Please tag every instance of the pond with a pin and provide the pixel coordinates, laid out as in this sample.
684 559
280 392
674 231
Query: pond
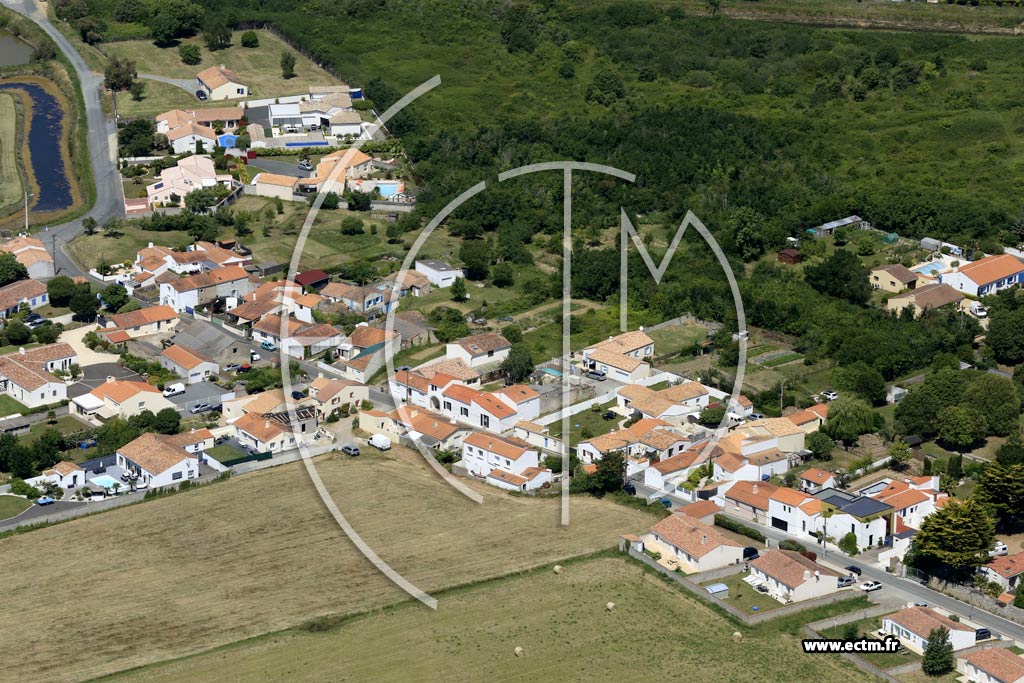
13 50
44 142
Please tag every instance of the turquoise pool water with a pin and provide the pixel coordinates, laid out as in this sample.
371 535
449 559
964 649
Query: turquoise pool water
931 268
105 480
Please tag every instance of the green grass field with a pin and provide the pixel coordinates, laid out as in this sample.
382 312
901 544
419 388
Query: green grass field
10 175
9 406
12 505
65 424
560 621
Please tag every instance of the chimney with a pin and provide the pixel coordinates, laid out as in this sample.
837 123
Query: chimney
110 378
21 350
150 245
753 489
704 540
641 328
807 575
266 424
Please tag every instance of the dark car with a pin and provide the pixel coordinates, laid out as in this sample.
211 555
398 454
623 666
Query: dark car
30 317
750 553
298 395
630 489
666 502
854 569
349 449
609 415
982 634
201 95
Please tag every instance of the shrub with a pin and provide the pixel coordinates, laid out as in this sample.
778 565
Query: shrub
848 544
20 488
734 526
791 545
250 39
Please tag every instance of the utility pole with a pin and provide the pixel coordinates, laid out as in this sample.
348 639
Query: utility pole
782 393
27 196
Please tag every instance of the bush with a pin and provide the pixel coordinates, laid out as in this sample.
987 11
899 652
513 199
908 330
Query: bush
791 545
848 544
20 488
736 527
250 39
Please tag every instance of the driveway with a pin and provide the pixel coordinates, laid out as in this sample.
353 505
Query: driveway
95 375
280 167
189 85
86 356
202 392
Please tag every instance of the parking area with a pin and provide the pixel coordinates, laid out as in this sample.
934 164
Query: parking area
95 375
203 392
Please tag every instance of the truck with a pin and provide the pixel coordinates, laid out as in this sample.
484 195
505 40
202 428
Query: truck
380 442
977 310
174 389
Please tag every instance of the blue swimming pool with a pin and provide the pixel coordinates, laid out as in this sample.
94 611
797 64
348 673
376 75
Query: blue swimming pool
552 372
931 268
387 189
106 481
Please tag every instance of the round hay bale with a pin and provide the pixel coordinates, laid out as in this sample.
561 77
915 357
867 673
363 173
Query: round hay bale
559 569
519 652
737 636
610 607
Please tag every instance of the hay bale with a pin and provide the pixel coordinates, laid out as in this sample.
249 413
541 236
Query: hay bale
737 636
559 569
610 607
519 652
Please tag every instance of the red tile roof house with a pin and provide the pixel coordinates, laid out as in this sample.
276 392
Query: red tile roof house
814 479
913 625
1006 570
992 665
507 463
691 544
791 577
143 322
27 375
188 363
187 294
32 293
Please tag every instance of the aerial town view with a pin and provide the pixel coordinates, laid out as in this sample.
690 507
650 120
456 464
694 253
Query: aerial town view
512 340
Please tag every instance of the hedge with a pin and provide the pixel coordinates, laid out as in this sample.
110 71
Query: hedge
733 525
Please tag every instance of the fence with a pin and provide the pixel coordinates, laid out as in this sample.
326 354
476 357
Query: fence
814 631
252 457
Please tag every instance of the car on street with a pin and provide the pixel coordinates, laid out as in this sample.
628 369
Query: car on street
232 367
305 165
45 500
829 395
982 634
999 549
757 416
201 95
854 569
350 449
505 319
920 604
268 345
244 367
201 407
174 389
869 586
845 581
253 356
597 374
609 415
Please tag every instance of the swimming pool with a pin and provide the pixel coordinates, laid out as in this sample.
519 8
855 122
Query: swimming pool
552 372
387 189
105 481
931 268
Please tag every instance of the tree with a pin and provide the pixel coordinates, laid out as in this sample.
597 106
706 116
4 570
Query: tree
59 290
848 418
351 225
90 29
137 90
250 39
611 469
176 18
899 454
287 65
513 333
167 421
748 229
16 332
190 54
1011 452
47 333
136 138
960 426
200 201
459 289
1002 489
331 201
841 275
606 87
1018 596
958 535
10 269
712 416
119 74
862 379
518 365
114 297
216 34
83 303
938 655
504 275
476 259
820 444
130 11
394 233
997 399
1005 335
89 225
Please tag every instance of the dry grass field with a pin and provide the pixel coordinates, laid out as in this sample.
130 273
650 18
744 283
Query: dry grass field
656 632
10 177
191 572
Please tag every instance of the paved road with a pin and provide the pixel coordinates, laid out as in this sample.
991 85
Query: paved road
102 146
280 167
897 590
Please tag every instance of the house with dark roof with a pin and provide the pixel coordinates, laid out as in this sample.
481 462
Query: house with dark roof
870 520
894 277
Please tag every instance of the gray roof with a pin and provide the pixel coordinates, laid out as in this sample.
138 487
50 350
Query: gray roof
204 337
858 506
832 225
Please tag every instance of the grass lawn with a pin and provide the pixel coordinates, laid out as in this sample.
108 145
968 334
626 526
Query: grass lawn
867 628
157 98
259 67
676 337
223 452
253 539
920 677
8 406
91 250
13 505
10 175
65 424
587 422
471 637
743 597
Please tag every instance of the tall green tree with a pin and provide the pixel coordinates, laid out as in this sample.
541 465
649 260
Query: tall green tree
216 34
458 290
958 535
83 303
1002 489
1005 335
114 297
476 259
10 269
119 74
820 444
60 289
961 426
287 65
848 418
518 365
863 380
841 275
938 655
997 399
899 454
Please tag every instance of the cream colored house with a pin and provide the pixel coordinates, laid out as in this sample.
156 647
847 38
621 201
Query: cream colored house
120 398
791 577
692 544
221 83
274 185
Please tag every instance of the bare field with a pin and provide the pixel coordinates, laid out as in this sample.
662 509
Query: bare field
191 572
10 176
655 632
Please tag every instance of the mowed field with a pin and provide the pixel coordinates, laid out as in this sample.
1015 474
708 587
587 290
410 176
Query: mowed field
187 573
655 632
10 178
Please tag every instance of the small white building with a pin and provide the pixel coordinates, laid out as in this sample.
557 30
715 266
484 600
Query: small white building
504 462
263 434
439 273
992 665
192 365
27 375
120 398
1006 570
791 577
274 185
913 626
815 479
158 461
488 348
65 474
694 545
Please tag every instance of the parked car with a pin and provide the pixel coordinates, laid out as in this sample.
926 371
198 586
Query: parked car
244 367
978 310
174 389
232 367
30 317
39 322
757 416
480 321
298 395
609 415
201 95
45 500
201 407
629 488
597 374
86 444
305 165
505 319
253 356
999 549
829 395
666 502
920 604
982 634
869 586
845 581
750 553
268 345
380 442
349 449
854 570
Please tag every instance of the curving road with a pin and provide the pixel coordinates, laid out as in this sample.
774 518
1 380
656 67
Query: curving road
102 145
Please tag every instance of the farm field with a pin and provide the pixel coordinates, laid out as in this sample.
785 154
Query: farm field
10 176
472 636
257 554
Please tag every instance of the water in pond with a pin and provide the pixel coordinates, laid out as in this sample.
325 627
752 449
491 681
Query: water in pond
13 50
44 140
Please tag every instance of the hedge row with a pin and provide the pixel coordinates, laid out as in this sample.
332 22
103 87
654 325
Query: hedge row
733 525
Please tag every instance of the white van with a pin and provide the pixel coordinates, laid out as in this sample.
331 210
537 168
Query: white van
978 310
380 442
174 389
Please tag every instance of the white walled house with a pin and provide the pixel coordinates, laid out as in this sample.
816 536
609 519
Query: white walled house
221 83
815 479
120 398
488 348
913 625
192 365
158 461
439 273
521 398
985 276
1006 571
504 462
992 665
263 434
65 474
27 375
694 545
791 577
